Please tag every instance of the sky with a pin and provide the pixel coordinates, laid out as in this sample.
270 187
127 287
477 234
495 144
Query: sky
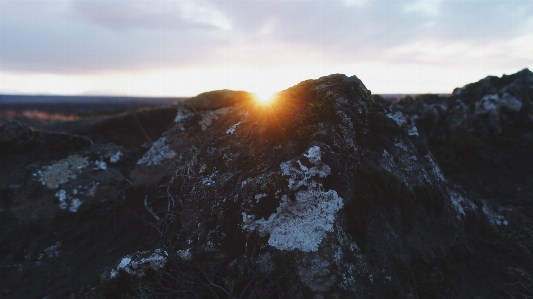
180 48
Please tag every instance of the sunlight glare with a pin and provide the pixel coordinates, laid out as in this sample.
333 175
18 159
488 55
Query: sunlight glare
264 98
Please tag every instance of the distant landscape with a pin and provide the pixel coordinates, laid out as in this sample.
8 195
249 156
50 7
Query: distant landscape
79 105
12 106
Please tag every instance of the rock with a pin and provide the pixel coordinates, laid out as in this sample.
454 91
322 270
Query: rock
485 108
326 192
62 210
481 137
217 99
490 105
128 130
306 187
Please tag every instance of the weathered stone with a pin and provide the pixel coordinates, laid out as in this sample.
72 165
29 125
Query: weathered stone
274 180
323 193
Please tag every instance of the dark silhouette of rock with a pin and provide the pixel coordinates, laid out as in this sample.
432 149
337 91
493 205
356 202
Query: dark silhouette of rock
489 106
129 130
482 138
213 100
66 211
326 192
320 187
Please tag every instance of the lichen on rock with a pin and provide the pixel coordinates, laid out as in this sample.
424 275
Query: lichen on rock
301 223
324 193
61 172
66 201
209 116
158 153
137 263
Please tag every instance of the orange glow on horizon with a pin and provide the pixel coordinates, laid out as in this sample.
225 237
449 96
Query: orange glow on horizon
265 98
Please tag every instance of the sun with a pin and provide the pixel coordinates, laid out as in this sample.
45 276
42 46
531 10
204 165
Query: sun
264 98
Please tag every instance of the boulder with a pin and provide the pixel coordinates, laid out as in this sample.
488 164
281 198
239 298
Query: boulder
319 193
492 104
490 107
65 208
324 192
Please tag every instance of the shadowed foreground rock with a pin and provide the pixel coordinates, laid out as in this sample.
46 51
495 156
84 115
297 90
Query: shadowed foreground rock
321 193
482 137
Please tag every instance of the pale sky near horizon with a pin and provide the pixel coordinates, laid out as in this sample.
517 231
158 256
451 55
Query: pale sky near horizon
185 47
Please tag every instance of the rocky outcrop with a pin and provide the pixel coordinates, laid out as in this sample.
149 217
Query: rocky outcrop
320 187
481 137
489 107
65 211
321 193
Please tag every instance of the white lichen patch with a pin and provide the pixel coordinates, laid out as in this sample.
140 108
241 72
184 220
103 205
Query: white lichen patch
185 255
457 202
209 117
401 145
100 165
494 218
487 104
61 172
304 222
116 157
492 103
182 115
62 196
314 156
231 129
436 169
53 251
398 117
49 252
402 122
67 201
158 153
412 131
137 263
75 204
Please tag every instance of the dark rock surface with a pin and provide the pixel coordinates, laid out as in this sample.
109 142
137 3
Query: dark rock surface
66 211
482 137
322 193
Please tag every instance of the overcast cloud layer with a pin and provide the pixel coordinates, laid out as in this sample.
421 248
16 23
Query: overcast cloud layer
89 38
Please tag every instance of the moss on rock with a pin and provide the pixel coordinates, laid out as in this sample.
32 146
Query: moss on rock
319 112
377 188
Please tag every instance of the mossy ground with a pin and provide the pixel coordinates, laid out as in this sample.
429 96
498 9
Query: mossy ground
429 197
457 151
377 188
318 113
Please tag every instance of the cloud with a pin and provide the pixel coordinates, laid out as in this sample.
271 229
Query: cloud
41 37
81 37
429 7
131 15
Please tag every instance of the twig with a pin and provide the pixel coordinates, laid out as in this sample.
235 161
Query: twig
150 210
